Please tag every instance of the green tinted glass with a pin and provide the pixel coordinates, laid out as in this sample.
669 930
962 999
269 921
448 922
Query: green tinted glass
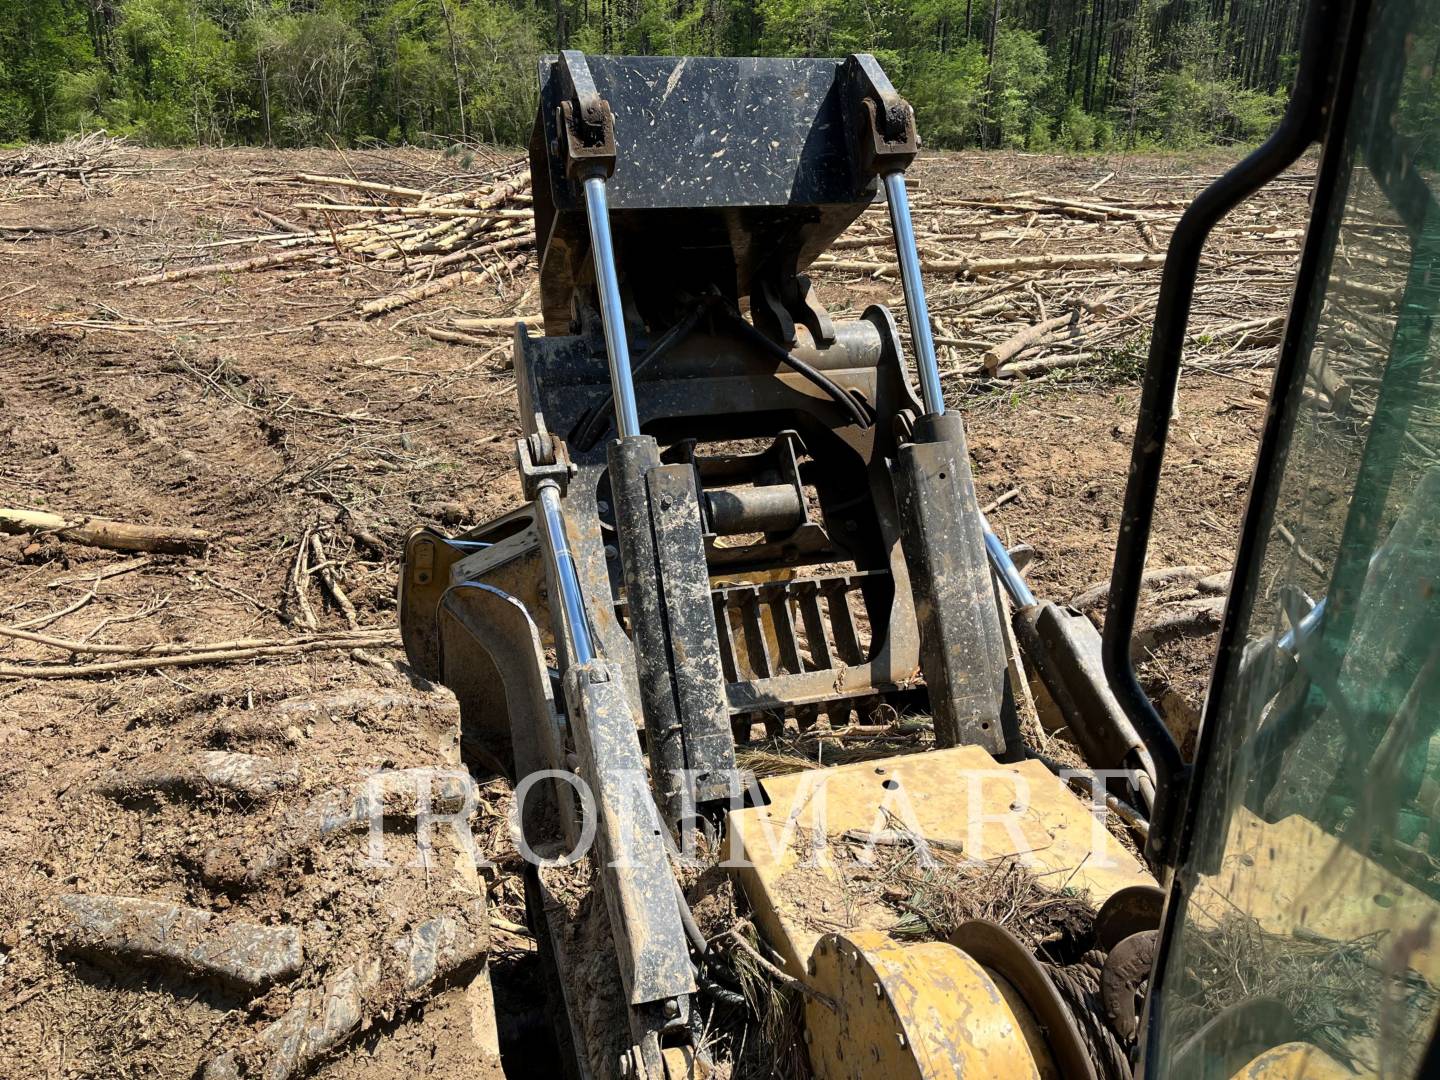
1312 924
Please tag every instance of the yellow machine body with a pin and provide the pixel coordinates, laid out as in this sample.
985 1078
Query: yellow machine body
923 1010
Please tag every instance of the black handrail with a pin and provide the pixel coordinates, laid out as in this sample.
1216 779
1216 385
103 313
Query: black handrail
1302 124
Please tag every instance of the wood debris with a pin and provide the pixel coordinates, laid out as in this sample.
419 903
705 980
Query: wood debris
427 242
1034 285
81 160
1027 285
115 535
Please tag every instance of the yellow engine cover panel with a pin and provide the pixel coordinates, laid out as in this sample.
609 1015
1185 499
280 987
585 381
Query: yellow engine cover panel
960 800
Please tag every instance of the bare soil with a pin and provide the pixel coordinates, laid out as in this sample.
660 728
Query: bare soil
223 403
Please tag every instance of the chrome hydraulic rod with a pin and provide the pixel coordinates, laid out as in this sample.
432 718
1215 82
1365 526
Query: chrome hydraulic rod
1005 568
612 314
567 578
926 366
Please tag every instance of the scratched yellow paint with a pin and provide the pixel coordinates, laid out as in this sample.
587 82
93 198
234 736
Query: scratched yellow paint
790 877
923 1011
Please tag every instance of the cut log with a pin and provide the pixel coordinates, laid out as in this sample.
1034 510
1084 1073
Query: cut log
1058 261
1104 209
451 337
200 772
1031 335
239 862
126 930
202 655
1244 326
418 211
505 322
441 950
244 266
1215 584
1193 618
1121 260
1099 593
433 288
1043 365
112 535
363 185
280 222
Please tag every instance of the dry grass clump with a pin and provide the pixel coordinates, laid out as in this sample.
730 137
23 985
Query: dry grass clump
751 1015
1339 993
820 748
932 897
771 1042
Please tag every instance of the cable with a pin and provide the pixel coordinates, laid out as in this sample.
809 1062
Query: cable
600 418
687 919
800 367
1079 987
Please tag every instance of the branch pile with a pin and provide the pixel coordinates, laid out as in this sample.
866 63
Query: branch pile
82 159
430 243
1031 283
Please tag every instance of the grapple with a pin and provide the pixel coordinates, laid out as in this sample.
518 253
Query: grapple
740 513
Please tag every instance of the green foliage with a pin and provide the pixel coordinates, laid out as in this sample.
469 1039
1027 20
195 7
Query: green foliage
948 93
321 66
1070 74
1019 76
40 42
1188 110
500 49
1077 129
803 27
1038 138
176 76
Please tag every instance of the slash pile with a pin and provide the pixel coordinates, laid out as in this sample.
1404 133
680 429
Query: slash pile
1056 280
82 159
432 243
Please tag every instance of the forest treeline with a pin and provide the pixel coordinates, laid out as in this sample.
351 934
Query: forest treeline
1036 74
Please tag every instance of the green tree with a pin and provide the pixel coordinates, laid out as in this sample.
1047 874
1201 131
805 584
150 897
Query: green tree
321 66
947 91
177 75
41 43
1019 79
999 72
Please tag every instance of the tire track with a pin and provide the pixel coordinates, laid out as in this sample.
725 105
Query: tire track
114 431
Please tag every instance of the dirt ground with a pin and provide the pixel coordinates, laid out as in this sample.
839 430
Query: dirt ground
223 403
